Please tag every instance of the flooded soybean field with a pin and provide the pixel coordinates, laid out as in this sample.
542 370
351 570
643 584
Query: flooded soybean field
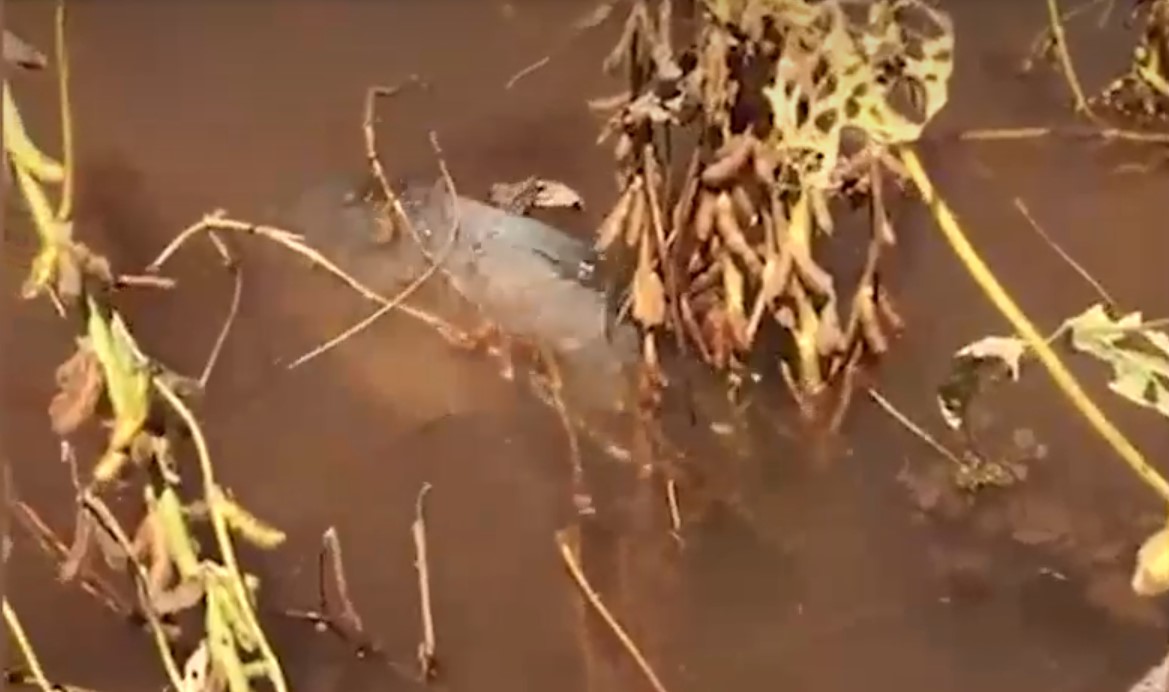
847 563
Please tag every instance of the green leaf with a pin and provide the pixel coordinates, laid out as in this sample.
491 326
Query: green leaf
126 379
1138 354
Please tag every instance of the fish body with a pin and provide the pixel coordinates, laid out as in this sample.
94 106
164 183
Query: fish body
529 279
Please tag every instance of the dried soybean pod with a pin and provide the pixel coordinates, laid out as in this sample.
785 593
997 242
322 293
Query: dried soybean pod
732 235
811 274
744 207
638 221
623 150
614 222
704 217
871 330
730 159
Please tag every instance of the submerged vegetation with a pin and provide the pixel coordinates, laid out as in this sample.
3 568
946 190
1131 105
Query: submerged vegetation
739 145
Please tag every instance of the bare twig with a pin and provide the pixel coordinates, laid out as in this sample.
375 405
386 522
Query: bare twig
16 631
218 220
422 278
527 71
142 280
427 664
369 118
102 514
28 678
912 427
568 553
592 19
45 537
675 510
1105 133
220 339
346 625
1065 60
332 556
1076 266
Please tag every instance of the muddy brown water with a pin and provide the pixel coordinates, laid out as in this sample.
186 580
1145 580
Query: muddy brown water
845 574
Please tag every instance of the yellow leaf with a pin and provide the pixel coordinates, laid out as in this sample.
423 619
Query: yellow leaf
1151 577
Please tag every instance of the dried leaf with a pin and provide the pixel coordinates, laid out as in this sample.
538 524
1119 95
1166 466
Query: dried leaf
553 194
534 193
968 369
79 387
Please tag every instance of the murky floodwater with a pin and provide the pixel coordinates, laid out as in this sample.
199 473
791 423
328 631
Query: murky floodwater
794 572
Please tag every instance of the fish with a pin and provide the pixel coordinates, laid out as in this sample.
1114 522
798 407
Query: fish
529 279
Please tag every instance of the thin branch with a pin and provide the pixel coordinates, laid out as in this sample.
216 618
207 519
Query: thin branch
1115 134
568 554
221 339
16 631
1065 59
414 285
427 664
218 221
912 427
1076 266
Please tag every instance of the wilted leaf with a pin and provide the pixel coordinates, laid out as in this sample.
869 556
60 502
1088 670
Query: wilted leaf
79 383
1139 356
970 367
1151 577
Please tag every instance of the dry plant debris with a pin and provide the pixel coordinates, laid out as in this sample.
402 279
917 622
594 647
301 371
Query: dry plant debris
795 106
531 193
1142 92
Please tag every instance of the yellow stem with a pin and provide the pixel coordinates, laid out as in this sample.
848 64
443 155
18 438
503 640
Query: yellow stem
986 280
65 210
16 631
